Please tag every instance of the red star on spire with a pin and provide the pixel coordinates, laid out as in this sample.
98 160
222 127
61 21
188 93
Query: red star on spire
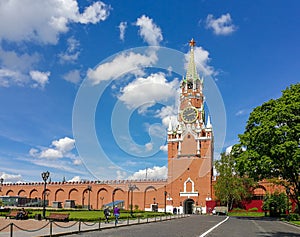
192 43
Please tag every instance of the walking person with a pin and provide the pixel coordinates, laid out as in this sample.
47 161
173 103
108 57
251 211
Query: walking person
116 214
106 214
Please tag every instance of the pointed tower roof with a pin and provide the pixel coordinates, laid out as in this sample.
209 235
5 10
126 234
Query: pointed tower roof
208 124
191 73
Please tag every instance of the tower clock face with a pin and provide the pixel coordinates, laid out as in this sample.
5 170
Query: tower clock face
189 114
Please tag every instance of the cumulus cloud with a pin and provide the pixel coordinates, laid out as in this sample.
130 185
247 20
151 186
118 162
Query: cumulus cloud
152 173
201 60
72 52
122 28
164 148
43 21
228 150
222 25
75 179
10 178
149 31
15 68
149 90
40 78
124 63
58 149
73 76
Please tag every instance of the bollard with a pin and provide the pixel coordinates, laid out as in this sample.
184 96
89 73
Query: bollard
11 229
100 223
147 218
79 226
51 228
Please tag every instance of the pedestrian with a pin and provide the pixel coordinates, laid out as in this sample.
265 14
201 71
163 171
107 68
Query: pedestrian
116 214
106 214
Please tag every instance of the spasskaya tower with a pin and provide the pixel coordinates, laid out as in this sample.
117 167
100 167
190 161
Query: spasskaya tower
190 145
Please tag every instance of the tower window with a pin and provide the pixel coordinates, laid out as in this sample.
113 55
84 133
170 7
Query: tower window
189 136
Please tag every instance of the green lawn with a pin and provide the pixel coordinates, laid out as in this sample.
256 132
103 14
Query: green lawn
247 213
86 215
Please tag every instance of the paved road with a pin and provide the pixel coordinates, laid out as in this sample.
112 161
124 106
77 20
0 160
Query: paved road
199 226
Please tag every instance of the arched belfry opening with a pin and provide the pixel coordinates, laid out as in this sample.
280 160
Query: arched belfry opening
188 206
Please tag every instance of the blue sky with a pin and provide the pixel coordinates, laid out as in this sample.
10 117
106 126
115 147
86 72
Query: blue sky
80 99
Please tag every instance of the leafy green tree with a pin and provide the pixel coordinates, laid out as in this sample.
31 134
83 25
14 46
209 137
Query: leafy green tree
276 203
229 187
270 145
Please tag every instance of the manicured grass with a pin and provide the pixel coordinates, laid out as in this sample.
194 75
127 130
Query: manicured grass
92 215
247 213
296 222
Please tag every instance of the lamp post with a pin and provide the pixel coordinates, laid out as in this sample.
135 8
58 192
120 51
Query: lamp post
89 189
287 204
45 176
165 201
131 188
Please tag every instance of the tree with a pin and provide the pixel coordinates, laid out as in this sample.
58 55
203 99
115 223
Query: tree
270 145
229 187
275 203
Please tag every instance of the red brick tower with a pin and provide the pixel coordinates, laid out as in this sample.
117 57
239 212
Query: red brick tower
190 146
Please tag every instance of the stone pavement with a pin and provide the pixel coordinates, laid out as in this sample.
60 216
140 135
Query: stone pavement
30 228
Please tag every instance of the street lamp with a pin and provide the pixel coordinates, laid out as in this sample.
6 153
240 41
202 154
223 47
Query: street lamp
89 189
130 189
45 176
165 201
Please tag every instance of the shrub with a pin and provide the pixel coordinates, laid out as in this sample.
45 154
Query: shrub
293 217
238 210
254 209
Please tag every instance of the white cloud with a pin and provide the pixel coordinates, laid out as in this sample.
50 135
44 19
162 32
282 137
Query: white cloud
124 63
149 90
43 21
149 31
152 173
122 28
11 178
72 52
64 144
99 11
15 68
73 76
40 78
164 148
59 149
201 60
121 174
243 112
228 150
75 179
51 153
77 162
149 146
220 26
9 77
